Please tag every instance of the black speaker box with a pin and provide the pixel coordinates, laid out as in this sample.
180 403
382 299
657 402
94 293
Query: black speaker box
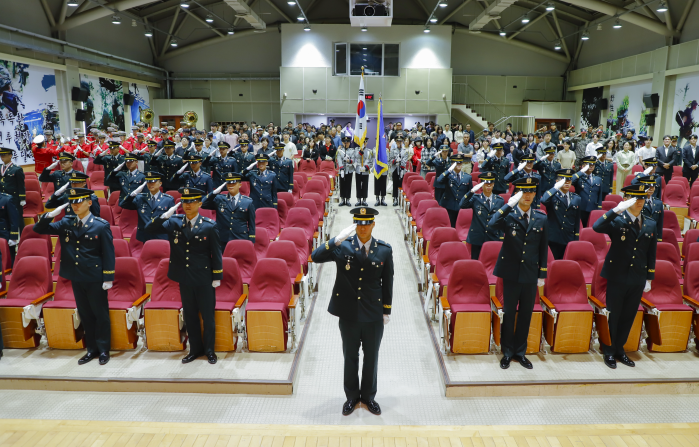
366 10
602 103
650 119
80 115
128 99
79 94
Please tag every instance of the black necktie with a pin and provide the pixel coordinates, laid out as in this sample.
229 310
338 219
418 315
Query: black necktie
364 255
526 220
640 225
188 229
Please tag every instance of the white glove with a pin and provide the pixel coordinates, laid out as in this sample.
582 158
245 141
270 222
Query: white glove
540 282
451 168
53 165
168 214
491 153
12 243
559 184
521 166
181 170
344 234
585 169
61 190
291 191
58 210
215 283
138 190
544 157
514 200
600 155
118 168
646 289
477 187
647 171
219 189
252 165
107 285
623 206
23 202
386 319
159 152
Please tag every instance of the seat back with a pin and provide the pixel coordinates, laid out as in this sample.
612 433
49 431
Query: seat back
468 283
261 242
312 208
6 257
29 233
694 207
417 198
97 178
599 285
636 168
616 198
670 237
114 198
152 253
135 245
434 218
665 287
244 253
232 282
419 214
324 177
316 186
121 248
407 181
463 223
674 194
33 247
282 210
298 237
671 223
286 250
595 215
449 253
489 255
690 238
116 232
309 167
300 179
129 282
429 178
267 218
164 289
417 186
319 201
597 240
691 280
584 254
32 184
31 278
667 252
286 197
328 166
270 282
440 236
608 205
34 204
565 283
128 221
106 214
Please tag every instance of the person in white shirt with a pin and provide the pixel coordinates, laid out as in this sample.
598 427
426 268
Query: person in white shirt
591 149
218 136
448 133
645 151
289 147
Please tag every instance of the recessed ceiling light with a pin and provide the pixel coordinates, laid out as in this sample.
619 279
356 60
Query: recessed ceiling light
307 28
617 24
662 7
149 33
426 30
443 4
433 19
231 31
300 18
502 32
291 2
525 19
585 36
116 20
173 43
550 6
557 45
209 19
184 3
72 3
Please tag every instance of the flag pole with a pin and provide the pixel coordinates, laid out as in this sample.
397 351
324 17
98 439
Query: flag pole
363 139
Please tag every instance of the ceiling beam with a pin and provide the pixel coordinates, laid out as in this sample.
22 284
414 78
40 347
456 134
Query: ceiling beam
310 6
490 12
518 43
530 23
204 43
63 12
625 15
83 6
569 11
457 9
237 19
241 8
685 14
558 34
202 21
99 12
279 11
424 8
172 28
49 14
495 21
645 8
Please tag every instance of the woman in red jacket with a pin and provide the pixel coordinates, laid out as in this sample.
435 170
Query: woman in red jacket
417 154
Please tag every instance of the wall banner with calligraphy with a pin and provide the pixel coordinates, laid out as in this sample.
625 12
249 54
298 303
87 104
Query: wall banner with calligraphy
28 106
105 104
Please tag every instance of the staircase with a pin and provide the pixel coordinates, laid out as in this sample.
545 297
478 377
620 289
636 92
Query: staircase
465 114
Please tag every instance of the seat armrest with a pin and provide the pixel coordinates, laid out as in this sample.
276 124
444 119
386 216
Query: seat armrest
647 304
41 299
691 302
409 214
548 303
298 279
445 303
241 300
309 258
496 302
315 235
425 259
3 293
413 223
434 278
419 234
292 302
595 302
141 300
8 271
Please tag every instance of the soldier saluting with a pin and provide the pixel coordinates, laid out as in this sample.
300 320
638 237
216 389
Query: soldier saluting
484 205
362 297
235 213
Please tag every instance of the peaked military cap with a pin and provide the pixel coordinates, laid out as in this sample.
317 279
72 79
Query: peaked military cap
6 151
650 161
114 144
526 183
363 215
232 177
565 173
638 190
193 158
191 194
487 177
498 146
130 157
529 158
169 144
589 159
152 143
198 142
458 158
224 145
550 150
66 156
153 176
649 179
77 195
78 177
262 157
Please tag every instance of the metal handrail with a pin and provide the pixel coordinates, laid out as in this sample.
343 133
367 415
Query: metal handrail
529 127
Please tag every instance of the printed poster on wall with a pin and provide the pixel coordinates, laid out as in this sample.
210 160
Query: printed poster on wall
28 106
626 109
105 102
589 115
140 104
685 122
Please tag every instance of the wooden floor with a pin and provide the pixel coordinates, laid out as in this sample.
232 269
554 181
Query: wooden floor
56 433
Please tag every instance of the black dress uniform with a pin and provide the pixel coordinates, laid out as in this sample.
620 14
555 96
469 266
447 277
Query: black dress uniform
440 164
283 168
650 162
12 183
147 157
263 190
500 167
235 216
149 207
110 162
127 180
362 171
244 158
9 219
87 260
653 207
361 296
190 179
456 185
168 167
76 178
630 262
521 263
589 188
195 262
58 177
547 170
516 174
563 214
219 166
484 208
605 171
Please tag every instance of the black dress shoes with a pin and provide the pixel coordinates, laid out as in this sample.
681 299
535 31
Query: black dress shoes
349 406
372 406
364 202
383 201
505 362
378 202
0 353
104 358
625 360
523 361
609 361
87 357
211 356
359 203
395 202
191 357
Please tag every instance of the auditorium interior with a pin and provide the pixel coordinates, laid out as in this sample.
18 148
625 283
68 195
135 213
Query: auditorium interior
582 73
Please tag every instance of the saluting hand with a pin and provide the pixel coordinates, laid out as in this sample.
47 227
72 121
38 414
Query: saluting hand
521 166
220 188
61 190
252 165
58 210
118 168
344 234
514 200
159 152
585 169
138 190
559 184
491 153
623 206
53 165
181 170
168 214
451 168
478 187
647 170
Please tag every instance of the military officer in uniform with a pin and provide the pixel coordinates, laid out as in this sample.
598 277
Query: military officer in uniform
548 168
196 264
222 164
61 176
562 213
500 166
525 170
345 169
484 205
439 162
456 184
653 207
521 265
263 190
195 177
110 161
244 157
650 164
362 297
9 222
604 169
168 164
283 168
362 170
129 178
60 196
148 156
398 159
12 183
87 260
149 205
588 187
235 213
628 268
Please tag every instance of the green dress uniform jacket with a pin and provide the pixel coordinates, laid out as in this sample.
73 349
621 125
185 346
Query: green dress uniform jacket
233 222
517 174
605 171
283 168
127 181
589 190
564 218
220 165
363 290
168 166
658 184
201 180
480 231
9 218
58 178
147 211
547 171
500 166
110 162
12 183
455 187
263 189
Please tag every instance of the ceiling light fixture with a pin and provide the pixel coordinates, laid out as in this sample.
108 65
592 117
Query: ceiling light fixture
149 33
307 28
433 19
550 6
116 20
72 3
426 30
525 19
173 43
209 19
617 24
291 3
300 18
585 36
662 7
557 45
364 29
231 31
184 4
502 32
443 4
